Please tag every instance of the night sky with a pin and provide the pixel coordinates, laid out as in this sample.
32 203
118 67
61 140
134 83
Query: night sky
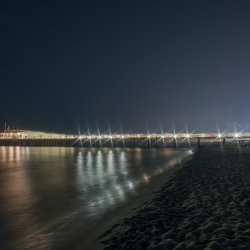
130 64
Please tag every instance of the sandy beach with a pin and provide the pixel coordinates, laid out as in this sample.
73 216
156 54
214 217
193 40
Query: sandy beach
205 205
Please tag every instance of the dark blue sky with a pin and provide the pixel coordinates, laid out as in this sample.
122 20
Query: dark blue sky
134 64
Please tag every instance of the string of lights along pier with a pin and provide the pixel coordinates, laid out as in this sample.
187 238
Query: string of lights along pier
16 137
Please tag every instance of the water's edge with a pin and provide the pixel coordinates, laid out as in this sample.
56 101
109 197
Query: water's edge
146 195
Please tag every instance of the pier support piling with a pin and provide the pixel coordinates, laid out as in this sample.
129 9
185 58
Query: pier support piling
224 141
198 142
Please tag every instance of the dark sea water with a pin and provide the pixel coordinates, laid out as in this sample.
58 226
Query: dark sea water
59 198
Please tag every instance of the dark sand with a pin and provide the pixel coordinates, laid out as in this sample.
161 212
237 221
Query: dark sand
205 205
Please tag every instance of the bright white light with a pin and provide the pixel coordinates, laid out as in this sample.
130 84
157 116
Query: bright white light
175 136
236 135
149 136
188 135
219 135
130 185
100 137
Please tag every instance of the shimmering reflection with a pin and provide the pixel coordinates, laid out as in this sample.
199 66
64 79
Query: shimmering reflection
16 203
49 194
123 163
110 162
14 155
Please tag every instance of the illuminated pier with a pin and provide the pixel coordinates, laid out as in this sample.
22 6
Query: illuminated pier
31 138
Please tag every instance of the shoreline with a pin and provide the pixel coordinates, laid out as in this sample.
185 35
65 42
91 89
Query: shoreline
145 195
204 205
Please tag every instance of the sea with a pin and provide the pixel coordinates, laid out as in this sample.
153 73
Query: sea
65 198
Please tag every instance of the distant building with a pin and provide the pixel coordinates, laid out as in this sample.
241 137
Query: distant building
13 133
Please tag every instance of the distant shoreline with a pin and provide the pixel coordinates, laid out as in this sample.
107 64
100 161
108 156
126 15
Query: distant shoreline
206 204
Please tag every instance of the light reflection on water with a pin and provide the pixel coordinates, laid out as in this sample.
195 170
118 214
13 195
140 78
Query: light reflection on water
44 191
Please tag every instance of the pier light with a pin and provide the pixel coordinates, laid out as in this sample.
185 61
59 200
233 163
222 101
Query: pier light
236 135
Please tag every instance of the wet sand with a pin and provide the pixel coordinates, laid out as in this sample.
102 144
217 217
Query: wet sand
205 205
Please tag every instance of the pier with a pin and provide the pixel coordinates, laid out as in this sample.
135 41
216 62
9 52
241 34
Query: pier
42 139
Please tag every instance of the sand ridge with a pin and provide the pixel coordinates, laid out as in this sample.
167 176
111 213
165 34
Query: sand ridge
205 205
